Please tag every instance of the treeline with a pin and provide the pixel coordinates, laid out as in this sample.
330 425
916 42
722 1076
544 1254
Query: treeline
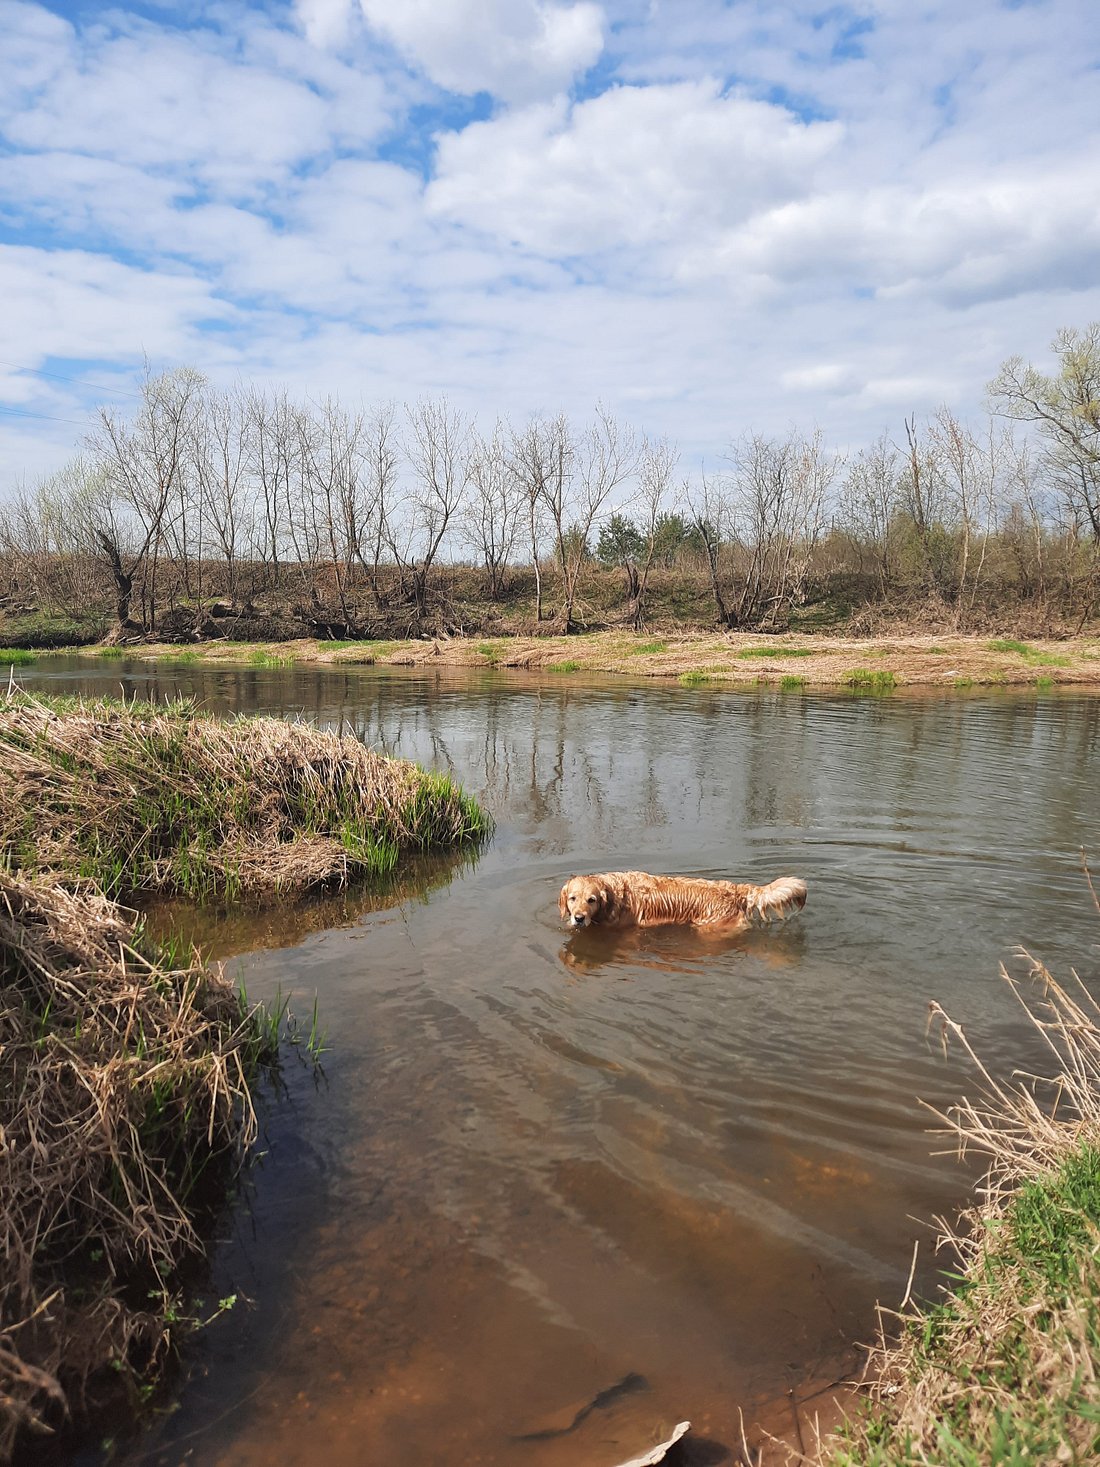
206 501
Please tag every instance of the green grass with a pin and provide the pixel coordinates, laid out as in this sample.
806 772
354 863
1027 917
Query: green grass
260 658
640 649
964 682
564 667
16 656
185 658
695 678
111 653
44 630
1034 655
776 652
1014 1350
791 684
864 679
1044 684
490 651
333 646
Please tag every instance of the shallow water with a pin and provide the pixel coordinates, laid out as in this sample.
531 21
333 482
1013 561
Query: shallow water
541 1165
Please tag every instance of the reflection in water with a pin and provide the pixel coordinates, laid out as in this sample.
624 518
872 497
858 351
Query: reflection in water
546 1163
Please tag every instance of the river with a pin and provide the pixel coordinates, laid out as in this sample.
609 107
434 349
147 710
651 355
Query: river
539 1166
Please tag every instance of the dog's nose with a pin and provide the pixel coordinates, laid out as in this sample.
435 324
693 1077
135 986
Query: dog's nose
579 919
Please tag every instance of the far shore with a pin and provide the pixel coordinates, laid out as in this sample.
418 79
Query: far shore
790 662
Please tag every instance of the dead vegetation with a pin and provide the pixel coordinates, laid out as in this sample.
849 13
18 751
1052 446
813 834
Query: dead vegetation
125 1099
122 1084
165 799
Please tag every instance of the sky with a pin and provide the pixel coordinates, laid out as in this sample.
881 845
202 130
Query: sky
711 216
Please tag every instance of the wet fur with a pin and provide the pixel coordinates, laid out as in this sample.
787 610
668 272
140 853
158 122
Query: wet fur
636 899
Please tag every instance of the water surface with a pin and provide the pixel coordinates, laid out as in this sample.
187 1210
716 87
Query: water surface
539 1164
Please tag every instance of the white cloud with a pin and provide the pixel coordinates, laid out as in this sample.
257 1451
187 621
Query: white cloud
516 49
864 224
637 166
183 101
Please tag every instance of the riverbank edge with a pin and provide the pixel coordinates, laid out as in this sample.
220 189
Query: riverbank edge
170 800
789 663
162 1058
1004 1366
128 1078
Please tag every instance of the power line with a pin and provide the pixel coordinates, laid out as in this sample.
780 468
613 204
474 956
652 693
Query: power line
76 381
24 413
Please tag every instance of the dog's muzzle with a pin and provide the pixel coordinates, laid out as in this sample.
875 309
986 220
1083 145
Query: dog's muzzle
579 920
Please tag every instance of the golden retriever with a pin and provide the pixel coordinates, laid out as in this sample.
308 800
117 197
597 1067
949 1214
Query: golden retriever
636 899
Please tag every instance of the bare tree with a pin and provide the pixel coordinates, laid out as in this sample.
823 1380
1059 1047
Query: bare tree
144 478
540 458
708 506
220 453
371 495
493 509
778 493
657 464
869 503
588 471
437 447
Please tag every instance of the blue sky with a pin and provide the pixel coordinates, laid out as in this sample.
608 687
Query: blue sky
711 217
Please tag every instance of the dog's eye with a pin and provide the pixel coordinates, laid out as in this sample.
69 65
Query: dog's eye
591 901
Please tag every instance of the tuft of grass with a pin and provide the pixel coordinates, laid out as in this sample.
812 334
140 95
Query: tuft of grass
695 678
111 653
186 658
964 682
261 658
1044 684
1033 655
16 656
333 646
776 652
640 649
864 679
564 667
144 798
791 684
490 651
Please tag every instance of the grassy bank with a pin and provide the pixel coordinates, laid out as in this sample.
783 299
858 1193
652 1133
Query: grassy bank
1005 1370
126 1081
788 663
124 1094
144 798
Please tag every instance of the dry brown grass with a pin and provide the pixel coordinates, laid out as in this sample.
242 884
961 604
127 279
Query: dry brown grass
145 798
120 1082
733 659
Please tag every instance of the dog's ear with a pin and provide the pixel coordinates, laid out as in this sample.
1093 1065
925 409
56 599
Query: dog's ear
562 908
607 901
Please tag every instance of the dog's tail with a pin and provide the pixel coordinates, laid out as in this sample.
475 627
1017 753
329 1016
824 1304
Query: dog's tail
779 899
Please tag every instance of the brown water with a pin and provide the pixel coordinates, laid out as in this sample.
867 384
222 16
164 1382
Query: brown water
540 1165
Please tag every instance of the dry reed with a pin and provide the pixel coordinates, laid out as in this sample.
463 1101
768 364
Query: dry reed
120 1083
165 799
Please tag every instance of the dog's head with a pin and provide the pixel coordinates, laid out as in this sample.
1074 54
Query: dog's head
584 901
